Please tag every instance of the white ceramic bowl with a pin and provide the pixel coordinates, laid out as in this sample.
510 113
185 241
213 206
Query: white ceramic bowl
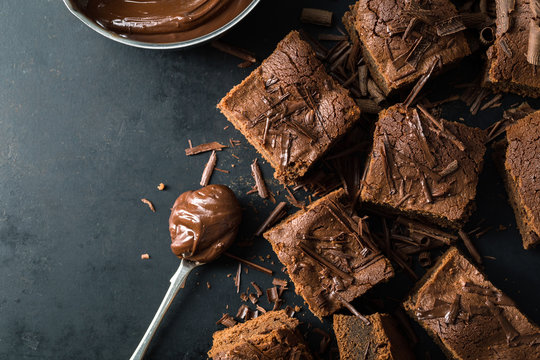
74 9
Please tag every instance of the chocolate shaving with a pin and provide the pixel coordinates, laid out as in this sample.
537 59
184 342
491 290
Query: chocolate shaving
509 330
387 169
443 131
425 188
149 203
469 245
375 92
237 278
324 262
506 48
316 17
451 316
289 311
332 37
427 230
449 169
419 132
503 18
242 312
234 51
257 288
272 294
259 180
261 309
491 102
250 264
275 215
533 47
350 308
279 282
449 26
424 258
266 128
226 320
208 169
368 106
363 79
422 45
285 150
204 147
420 83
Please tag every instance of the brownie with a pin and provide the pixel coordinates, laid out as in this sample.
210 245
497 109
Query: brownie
290 109
425 167
469 317
379 340
522 176
508 69
328 260
400 42
273 335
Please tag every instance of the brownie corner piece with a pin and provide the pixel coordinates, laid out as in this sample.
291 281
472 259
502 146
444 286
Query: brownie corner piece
378 340
273 335
398 45
522 176
424 167
468 316
290 109
328 261
508 69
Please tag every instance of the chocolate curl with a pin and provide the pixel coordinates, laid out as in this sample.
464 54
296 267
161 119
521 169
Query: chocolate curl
504 7
533 49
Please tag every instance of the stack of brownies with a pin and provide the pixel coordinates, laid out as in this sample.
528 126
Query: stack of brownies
420 167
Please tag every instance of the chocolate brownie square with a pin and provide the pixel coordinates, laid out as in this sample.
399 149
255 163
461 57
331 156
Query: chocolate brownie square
522 176
381 339
401 41
468 316
328 260
508 68
290 109
273 335
422 166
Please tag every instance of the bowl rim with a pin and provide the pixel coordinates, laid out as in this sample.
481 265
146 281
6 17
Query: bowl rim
70 4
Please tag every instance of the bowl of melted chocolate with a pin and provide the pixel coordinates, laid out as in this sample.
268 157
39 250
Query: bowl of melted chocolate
161 24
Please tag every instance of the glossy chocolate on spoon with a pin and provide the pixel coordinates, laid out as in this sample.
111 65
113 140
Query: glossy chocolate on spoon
204 223
163 21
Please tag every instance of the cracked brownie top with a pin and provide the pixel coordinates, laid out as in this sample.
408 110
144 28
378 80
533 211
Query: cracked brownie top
290 109
329 261
401 40
423 165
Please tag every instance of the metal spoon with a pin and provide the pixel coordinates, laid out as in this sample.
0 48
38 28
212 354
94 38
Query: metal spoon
177 282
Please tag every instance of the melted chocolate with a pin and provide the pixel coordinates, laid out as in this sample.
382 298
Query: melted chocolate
162 21
204 223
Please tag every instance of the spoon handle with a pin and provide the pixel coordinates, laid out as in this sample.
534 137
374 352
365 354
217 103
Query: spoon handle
177 282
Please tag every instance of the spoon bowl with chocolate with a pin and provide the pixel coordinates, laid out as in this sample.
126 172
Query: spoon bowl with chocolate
203 224
161 24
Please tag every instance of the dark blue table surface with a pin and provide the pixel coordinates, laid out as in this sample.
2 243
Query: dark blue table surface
88 127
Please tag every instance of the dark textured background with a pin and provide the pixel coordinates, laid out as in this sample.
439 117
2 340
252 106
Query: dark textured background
87 128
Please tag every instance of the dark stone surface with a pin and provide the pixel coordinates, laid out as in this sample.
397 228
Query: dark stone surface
87 128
